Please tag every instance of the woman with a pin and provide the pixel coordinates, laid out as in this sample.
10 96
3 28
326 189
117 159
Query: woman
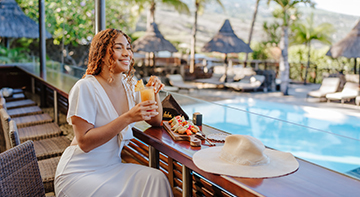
102 111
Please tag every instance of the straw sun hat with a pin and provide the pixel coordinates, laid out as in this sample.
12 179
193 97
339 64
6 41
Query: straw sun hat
245 156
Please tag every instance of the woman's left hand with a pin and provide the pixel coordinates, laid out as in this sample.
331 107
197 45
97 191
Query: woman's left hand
155 81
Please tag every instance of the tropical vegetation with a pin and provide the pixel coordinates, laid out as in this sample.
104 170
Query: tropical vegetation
252 26
199 8
71 23
178 5
305 33
17 54
287 15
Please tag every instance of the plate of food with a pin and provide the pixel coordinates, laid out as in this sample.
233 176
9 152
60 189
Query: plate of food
181 129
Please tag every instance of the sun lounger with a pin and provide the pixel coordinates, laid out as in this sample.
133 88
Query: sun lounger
328 85
357 100
350 91
247 83
215 79
177 81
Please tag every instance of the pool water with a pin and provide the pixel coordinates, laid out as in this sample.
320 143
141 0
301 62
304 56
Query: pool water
324 137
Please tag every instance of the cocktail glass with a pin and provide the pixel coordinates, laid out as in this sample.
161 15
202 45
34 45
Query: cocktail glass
147 93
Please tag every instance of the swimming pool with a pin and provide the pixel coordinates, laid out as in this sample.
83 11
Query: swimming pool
327 138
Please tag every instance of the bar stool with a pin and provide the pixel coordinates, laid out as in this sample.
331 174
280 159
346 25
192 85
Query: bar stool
44 148
18 103
47 166
20 111
17 94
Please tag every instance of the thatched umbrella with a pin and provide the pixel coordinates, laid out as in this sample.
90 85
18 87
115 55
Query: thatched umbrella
15 24
226 41
153 41
348 47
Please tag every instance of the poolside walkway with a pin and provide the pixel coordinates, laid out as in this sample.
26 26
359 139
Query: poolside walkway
297 96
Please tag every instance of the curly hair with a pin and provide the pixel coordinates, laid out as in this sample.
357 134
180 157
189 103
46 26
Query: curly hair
101 44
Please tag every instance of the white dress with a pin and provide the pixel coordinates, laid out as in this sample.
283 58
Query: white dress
100 171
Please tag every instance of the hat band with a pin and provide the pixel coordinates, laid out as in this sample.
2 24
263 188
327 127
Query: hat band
264 159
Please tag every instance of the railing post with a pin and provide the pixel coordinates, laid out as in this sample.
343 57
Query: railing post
42 95
33 85
153 157
56 109
42 39
186 182
171 171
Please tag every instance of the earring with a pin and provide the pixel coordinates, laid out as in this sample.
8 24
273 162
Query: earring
110 80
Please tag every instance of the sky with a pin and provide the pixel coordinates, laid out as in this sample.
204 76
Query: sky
350 7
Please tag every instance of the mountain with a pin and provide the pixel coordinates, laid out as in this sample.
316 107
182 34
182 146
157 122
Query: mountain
177 27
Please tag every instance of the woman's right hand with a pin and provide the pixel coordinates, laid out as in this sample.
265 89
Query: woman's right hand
143 111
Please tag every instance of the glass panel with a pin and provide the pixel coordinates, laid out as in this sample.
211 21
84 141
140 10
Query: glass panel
54 77
329 139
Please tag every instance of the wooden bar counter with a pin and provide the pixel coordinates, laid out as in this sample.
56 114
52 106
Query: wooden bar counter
308 180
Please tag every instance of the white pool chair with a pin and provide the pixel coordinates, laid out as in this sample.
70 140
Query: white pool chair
177 80
357 100
350 91
247 83
328 85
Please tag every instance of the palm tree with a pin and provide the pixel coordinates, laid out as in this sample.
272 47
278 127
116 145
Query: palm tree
272 32
304 33
286 6
199 5
179 6
252 27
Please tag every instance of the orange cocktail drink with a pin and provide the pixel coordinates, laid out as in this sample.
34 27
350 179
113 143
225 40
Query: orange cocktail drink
147 93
